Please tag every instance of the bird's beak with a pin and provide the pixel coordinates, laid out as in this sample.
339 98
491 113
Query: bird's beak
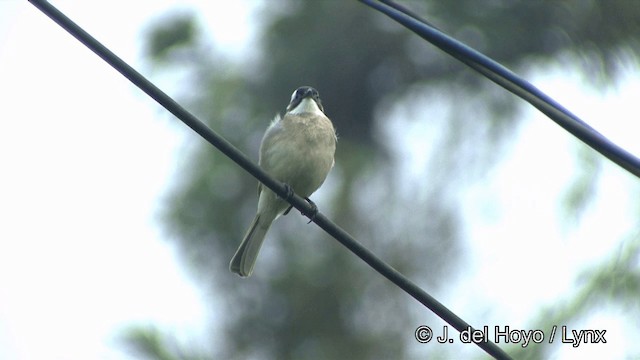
308 93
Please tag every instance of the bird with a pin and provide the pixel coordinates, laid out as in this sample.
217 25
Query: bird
297 149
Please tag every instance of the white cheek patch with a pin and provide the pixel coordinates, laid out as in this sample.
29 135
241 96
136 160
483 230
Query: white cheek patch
307 105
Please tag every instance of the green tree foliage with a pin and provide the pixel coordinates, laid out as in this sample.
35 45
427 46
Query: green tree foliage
309 298
613 284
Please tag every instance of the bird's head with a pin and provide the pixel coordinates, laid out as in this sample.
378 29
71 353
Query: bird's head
305 99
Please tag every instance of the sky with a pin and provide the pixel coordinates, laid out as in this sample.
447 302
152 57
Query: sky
520 255
87 158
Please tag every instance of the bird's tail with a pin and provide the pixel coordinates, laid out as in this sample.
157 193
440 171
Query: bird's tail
245 257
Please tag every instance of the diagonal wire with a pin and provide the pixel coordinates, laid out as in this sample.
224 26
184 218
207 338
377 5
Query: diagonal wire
279 188
510 81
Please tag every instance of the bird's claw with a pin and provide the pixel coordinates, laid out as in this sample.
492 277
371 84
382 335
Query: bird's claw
288 192
287 197
314 211
310 214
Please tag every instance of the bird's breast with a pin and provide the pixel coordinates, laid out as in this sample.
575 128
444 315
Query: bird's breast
299 151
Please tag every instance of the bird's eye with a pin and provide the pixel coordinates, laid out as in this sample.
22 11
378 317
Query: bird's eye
295 95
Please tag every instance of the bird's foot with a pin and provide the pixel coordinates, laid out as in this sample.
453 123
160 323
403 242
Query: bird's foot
288 192
314 210
288 196
287 211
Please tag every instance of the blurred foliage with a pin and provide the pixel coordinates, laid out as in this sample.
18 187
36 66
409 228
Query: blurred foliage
308 297
580 192
177 32
513 31
615 283
150 343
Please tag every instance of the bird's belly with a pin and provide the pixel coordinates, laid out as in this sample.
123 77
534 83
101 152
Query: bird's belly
304 168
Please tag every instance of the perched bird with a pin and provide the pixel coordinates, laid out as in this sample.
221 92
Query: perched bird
298 150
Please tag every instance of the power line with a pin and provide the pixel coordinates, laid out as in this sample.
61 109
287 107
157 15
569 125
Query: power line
510 81
243 161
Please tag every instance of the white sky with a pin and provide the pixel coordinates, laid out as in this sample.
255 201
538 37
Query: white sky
536 260
86 157
521 257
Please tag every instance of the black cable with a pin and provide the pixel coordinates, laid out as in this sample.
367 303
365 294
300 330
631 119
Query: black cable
234 154
510 81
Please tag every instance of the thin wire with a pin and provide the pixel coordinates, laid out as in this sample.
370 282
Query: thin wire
510 81
243 161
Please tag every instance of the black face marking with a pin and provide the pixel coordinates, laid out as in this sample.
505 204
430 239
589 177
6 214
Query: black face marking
304 92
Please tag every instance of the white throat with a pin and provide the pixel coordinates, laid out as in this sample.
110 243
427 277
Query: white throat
307 105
